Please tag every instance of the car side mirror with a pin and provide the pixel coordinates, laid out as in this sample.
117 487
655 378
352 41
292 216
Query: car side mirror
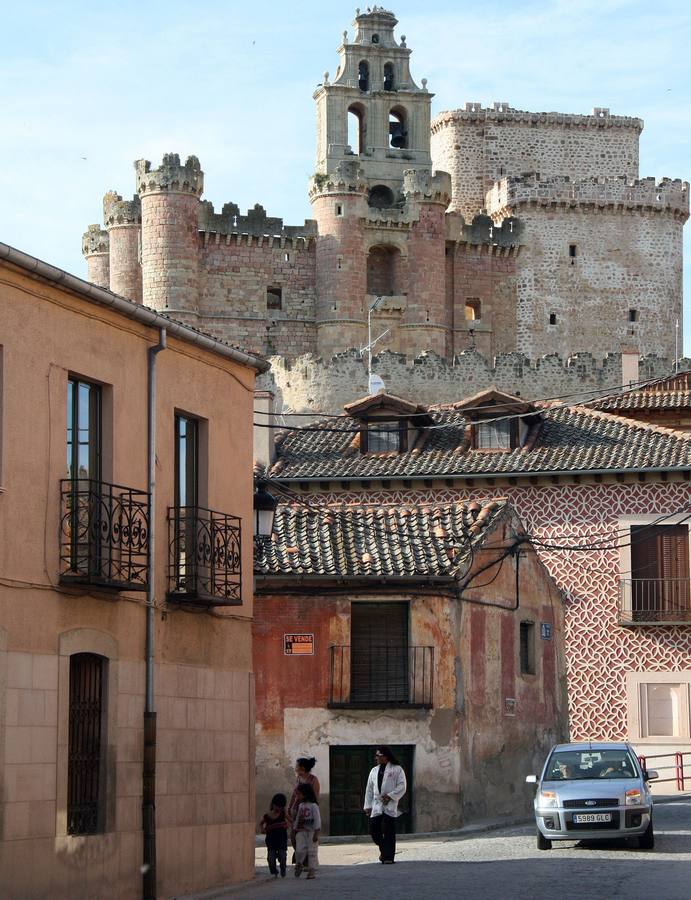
651 775
532 779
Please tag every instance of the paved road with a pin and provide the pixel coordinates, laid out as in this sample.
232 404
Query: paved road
501 865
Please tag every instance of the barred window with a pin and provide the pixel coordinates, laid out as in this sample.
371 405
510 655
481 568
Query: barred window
86 744
494 435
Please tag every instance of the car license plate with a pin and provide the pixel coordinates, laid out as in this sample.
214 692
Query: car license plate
585 818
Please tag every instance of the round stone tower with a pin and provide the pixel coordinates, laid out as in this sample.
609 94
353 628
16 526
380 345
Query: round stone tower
95 250
123 219
170 234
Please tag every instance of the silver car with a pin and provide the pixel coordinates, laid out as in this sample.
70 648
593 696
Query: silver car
593 791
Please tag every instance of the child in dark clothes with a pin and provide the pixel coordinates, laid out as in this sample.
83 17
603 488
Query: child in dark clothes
275 826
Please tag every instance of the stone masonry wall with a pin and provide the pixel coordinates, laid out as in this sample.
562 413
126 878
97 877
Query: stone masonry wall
478 146
235 272
624 261
308 384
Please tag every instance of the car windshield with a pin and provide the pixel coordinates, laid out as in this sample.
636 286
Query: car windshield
567 765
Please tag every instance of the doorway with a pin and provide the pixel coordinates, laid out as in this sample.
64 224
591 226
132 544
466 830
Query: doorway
349 767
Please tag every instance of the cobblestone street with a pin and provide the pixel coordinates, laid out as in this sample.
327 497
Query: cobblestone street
503 865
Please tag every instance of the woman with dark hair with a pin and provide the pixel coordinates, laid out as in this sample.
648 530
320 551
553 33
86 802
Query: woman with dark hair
385 787
303 772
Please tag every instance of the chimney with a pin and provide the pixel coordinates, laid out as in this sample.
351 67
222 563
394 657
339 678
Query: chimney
629 365
264 428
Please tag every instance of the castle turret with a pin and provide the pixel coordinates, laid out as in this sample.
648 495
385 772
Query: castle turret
170 234
123 219
95 250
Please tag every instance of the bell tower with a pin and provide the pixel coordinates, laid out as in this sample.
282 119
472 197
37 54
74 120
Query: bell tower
373 112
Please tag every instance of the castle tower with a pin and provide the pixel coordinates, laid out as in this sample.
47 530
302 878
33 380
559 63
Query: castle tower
123 219
95 250
373 133
170 234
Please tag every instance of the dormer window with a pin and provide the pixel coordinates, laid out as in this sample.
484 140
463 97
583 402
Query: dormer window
498 421
385 437
494 435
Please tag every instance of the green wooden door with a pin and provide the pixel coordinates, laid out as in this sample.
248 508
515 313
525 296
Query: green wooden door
350 766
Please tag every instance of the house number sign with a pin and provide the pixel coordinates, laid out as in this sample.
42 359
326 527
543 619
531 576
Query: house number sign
545 631
298 644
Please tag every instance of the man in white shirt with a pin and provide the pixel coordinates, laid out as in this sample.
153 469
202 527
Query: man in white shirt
385 787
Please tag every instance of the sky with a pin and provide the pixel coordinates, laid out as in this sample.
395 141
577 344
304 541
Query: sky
87 88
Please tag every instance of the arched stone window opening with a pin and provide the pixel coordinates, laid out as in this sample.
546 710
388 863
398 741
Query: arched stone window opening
473 310
363 75
398 128
388 77
381 197
384 271
356 128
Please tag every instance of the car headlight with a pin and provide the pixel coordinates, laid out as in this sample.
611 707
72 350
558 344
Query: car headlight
546 798
634 797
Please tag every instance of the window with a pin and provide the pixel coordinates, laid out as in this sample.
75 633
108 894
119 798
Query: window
339 209
658 706
379 652
363 76
398 128
286 257
660 573
83 430
274 298
385 437
633 315
572 254
186 500
473 310
494 435
86 743
380 197
552 318
388 77
527 648
383 271
339 262
356 128
375 38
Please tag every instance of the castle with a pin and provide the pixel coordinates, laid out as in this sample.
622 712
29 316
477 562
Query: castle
492 232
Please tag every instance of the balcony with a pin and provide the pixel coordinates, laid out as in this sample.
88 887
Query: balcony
655 601
204 557
104 535
381 677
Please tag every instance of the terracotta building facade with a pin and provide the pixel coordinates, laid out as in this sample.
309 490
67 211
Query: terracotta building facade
87 550
492 230
376 624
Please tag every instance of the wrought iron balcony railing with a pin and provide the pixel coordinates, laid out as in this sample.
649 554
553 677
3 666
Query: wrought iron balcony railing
104 535
655 601
205 556
381 677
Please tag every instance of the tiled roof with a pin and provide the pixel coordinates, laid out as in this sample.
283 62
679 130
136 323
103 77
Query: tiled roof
362 541
570 439
645 400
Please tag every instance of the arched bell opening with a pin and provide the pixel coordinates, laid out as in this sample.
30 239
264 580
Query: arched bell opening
356 128
363 75
398 128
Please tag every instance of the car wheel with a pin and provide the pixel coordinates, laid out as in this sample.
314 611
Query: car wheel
647 840
543 843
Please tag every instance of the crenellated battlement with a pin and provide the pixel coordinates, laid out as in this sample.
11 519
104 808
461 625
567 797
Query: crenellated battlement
502 113
348 178
95 240
425 186
247 239
667 195
256 222
117 211
171 176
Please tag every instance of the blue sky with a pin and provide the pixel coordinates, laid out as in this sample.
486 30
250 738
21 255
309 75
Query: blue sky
87 88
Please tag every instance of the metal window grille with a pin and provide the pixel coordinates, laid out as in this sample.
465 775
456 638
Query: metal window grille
85 744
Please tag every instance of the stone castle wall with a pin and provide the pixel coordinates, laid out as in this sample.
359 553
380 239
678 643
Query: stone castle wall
309 384
479 146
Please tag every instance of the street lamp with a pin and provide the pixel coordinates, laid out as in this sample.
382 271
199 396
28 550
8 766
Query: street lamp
264 509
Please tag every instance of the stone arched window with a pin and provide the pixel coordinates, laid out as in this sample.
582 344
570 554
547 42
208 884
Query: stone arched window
384 271
380 197
356 127
363 75
398 128
388 77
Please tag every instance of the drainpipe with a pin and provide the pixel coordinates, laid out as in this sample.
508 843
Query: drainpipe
149 770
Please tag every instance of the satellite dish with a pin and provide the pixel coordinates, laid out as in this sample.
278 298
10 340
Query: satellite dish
376 384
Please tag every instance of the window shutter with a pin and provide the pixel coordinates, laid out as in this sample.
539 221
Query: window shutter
673 543
379 652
